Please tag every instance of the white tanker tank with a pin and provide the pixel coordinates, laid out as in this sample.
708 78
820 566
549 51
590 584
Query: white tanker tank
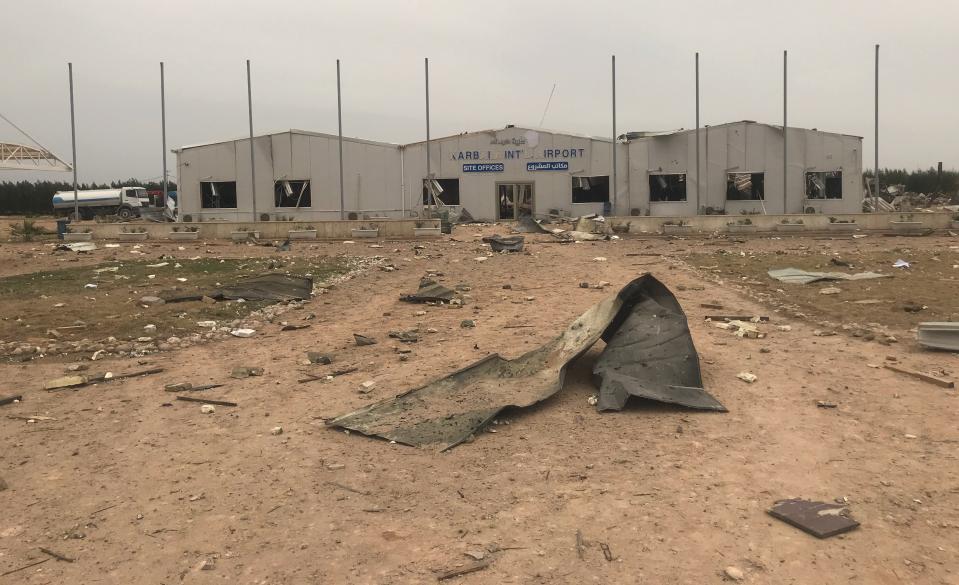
124 202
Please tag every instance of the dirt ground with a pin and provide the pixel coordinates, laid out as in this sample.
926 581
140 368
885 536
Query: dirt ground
139 492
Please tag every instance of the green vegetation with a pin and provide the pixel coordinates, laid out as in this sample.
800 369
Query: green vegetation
27 229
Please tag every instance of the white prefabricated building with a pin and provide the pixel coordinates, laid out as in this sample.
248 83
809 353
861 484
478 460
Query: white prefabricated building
514 171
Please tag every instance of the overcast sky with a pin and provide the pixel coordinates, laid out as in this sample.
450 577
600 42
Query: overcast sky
492 63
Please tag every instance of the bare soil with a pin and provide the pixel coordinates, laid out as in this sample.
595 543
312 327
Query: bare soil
138 488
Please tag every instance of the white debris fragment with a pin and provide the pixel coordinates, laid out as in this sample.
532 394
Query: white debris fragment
207 409
181 279
367 386
160 265
592 400
746 377
900 264
830 290
90 285
206 323
480 259
150 329
243 332
276 431
785 328
599 259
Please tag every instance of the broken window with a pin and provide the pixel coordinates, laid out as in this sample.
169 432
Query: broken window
826 185
591 189
292 194
670 187
745 187
446 190
218 194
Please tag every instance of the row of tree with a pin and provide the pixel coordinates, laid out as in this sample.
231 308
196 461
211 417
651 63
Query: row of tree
919 181
36 197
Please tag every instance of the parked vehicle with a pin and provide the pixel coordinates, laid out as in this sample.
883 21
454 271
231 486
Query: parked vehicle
124 202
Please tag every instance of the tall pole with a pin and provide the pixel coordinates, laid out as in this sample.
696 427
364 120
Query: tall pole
785 139
339 122
73 139
249 98
697 134
426 65
613 211
876 191
163 129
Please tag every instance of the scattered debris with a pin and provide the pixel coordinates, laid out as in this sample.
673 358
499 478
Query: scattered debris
467 323
933 335
243 372
409 336
429 292
607 553
734 573
924 377
900 264
276 431
643 326
750 318
10 399
295 327
820 519
77 381
824 404
830 290
367 386
478 566
499 243
268 287
56 555
243 332
715 306
837 262
580 547
318 358
206 401
599 259
797 276
188 387
528 225
747 377
207 409
363 340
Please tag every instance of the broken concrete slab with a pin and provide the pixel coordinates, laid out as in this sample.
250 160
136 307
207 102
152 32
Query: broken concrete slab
448 411
820 519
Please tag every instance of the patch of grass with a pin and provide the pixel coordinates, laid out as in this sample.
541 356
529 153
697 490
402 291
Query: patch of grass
27 229
28 301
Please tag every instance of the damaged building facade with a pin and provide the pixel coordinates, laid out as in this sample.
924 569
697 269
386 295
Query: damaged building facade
504 174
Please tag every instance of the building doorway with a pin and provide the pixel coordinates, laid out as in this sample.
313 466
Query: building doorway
514 200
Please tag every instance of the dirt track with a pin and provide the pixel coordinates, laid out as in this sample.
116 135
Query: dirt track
138 492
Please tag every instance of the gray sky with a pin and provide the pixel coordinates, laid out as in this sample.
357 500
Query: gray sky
492 63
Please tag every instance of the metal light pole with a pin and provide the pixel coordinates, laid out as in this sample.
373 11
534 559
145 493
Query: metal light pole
429 190
785 140
614 135
249 98
163 129
697 135
73 139
339 121
876 192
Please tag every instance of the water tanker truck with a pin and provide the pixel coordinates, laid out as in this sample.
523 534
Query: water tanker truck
124 202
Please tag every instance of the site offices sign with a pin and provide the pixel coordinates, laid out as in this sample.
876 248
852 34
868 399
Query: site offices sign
564 155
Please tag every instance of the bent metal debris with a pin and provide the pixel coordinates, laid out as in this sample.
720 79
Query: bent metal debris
649 354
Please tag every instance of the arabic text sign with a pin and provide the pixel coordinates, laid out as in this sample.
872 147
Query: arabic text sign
548 166
483 168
